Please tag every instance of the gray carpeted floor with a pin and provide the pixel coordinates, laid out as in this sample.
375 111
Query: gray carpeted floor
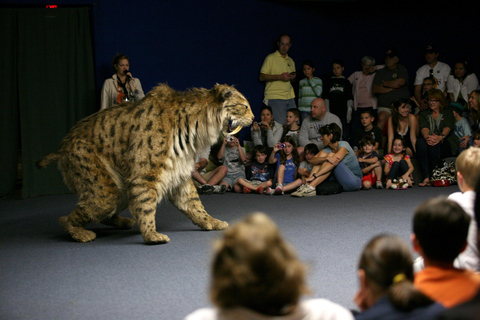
45 275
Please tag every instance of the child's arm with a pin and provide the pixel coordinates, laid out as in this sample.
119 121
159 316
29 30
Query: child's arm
272 158
221 152
386 169
369 161
410 169
371 167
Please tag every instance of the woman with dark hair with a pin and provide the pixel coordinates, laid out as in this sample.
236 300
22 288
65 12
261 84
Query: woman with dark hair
338 159
256 275
461 83
267 132
437 139
402 124
385 273
474 107
122 86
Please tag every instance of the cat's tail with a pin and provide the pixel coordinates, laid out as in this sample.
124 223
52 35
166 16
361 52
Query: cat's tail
42 163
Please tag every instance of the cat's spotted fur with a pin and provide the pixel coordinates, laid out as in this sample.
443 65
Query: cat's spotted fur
135 154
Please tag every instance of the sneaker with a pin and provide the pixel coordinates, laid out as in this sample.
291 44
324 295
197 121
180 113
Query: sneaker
259 190
207 189
219 189
269 191
246 190
298 192
279 189
379 184
309 191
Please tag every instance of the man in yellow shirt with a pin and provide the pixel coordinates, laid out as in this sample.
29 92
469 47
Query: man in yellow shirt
278 70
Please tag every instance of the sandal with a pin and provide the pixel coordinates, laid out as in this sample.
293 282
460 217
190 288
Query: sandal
425 183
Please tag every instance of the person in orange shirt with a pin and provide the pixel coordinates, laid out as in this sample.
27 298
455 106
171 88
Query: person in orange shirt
440 228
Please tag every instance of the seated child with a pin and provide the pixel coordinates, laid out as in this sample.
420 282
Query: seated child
208 181
476 139
440 229
286 157
305 167
398 165
261 172
232 155
368 160
462 127
292 129
468 175
368 129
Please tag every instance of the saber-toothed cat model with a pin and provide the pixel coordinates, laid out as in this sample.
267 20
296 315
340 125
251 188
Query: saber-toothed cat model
135 154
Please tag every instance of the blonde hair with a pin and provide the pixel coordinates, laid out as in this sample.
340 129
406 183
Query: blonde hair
468 164
254 267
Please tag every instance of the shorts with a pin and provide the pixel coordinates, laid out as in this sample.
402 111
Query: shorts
369 177
384 109
230 179
254 183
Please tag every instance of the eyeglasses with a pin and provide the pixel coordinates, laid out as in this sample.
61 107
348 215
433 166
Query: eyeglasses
433 100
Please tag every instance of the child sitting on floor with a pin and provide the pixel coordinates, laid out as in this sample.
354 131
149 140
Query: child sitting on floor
232 155
286 157
260 172
398 166
370 164
305 167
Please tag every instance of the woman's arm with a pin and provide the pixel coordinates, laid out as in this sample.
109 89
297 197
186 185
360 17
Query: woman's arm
390 135
274 135
413 130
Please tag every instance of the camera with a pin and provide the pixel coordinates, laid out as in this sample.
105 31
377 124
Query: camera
230 139
281 145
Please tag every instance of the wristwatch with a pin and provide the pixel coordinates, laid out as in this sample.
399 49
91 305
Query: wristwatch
443 136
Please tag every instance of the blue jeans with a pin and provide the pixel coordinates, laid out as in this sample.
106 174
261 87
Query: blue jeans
280 107
346 178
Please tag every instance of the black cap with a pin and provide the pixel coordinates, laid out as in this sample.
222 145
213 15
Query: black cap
430 48
390 53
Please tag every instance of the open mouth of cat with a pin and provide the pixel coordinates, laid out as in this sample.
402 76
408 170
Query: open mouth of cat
233 128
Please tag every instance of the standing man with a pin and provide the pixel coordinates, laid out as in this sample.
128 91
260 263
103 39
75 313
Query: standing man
319 117
390 84
277 71
433 68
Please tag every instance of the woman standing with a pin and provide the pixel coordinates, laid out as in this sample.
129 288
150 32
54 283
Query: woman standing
403 124
436 140
122 86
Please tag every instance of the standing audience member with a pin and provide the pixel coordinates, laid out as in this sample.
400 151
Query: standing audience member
363 97
440 229
338 97
462 127
370 164
261 173
461 83
398 165
386 290
122 86
474 106
286 157
468 176
319 117
390 84
256 275
232 156
337 159
368 129
309 88
267 132
403 124
278 70
434 69
436 140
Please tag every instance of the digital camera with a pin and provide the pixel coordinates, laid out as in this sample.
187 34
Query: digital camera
281 145
230 139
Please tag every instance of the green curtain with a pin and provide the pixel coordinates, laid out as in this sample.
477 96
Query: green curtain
55 87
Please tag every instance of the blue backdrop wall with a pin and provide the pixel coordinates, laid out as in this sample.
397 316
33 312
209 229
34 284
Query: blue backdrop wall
188 43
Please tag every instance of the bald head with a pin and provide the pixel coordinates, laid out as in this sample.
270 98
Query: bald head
318 109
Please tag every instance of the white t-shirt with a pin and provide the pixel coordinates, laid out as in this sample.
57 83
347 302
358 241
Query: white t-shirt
314 309
441 71
468 259
469 84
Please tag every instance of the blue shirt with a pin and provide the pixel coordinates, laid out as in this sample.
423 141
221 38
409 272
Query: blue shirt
350 159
